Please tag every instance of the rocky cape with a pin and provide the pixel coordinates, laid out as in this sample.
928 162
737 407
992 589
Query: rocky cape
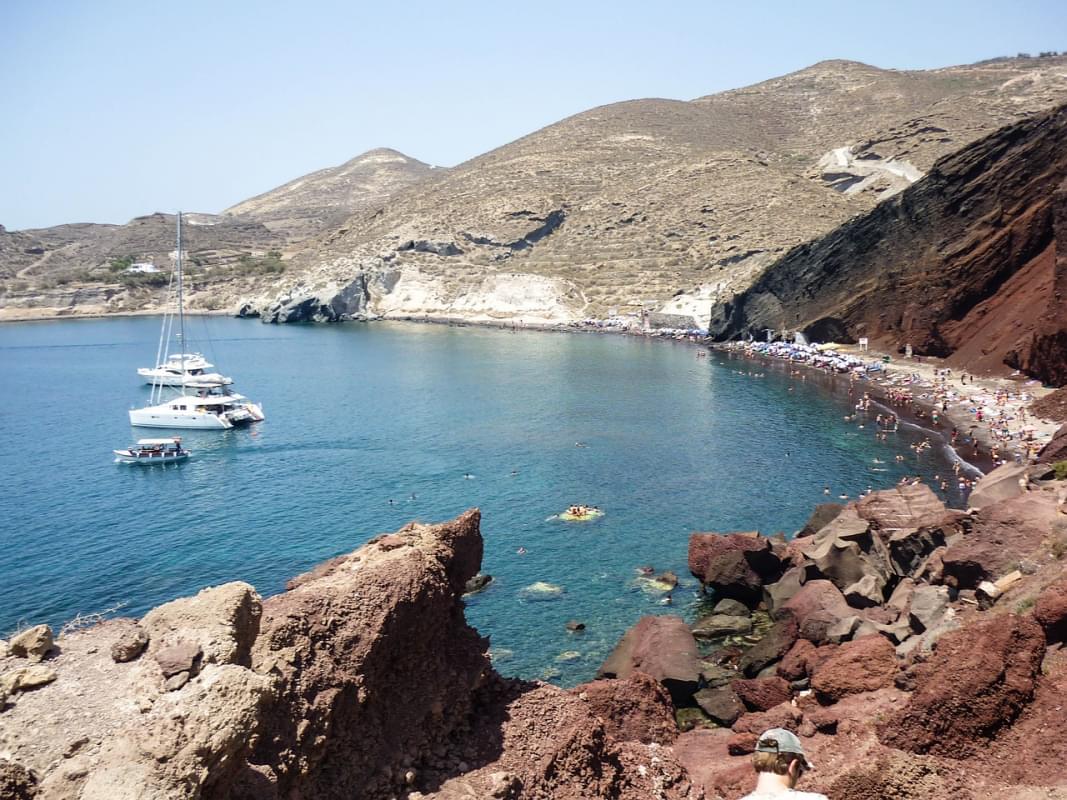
917 650
968 263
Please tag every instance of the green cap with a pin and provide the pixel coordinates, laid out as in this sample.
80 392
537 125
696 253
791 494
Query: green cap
779 740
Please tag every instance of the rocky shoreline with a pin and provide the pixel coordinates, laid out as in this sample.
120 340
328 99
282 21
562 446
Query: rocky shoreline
915 648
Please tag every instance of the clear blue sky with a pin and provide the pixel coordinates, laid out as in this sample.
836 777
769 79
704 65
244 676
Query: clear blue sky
113 109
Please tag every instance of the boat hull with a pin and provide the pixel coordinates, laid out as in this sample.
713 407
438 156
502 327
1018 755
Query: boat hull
165 418
125 457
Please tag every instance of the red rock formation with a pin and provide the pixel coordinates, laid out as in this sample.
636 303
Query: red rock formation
816 607
975 683
968 262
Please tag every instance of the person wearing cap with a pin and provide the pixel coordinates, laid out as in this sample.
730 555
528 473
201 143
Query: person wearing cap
780 762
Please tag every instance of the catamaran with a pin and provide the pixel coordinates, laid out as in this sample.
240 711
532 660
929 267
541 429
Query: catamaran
201 401
172 373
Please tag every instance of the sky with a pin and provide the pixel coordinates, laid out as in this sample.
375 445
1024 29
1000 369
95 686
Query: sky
113 108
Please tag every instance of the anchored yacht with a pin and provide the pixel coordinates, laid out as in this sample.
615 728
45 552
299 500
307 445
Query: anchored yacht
205 400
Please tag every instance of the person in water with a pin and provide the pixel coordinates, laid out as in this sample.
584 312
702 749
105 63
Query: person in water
780 763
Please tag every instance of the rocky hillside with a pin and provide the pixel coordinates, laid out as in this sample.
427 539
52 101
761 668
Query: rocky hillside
967 263
917 650
669 203
323 200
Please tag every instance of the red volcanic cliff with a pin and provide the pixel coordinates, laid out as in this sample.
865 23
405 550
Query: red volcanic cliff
970 262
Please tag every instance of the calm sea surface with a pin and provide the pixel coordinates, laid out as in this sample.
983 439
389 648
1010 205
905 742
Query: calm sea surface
358 415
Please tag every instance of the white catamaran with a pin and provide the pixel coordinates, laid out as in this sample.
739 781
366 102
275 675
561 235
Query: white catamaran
202 401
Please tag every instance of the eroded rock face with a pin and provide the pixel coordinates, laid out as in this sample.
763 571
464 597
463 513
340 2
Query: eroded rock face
222 621
975 683
344 642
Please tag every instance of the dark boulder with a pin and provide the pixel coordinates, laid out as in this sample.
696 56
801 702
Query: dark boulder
734 565
815 608
762 694
721 704
863 665
1050 611
775 643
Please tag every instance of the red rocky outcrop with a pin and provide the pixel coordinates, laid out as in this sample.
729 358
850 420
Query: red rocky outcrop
345 642
975 683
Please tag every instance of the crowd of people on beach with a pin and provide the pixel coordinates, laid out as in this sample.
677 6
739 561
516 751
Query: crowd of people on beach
974 416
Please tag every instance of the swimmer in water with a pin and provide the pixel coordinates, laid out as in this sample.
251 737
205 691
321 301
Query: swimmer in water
521 551
467 475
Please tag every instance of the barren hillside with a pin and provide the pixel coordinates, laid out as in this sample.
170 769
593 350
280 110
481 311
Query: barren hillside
670 203
325 199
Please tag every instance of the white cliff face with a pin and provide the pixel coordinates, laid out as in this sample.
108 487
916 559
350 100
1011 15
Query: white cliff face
851 173
408 291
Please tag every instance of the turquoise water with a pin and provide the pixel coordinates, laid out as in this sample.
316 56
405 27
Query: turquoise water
358 415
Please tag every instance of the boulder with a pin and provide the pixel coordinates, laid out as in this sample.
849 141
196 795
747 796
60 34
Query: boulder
762 694
922 644
776 595
1050 611
731 608
845 552
774 644
906 507
477 583
635 709
182 656
718 625
1001 534
25 678
900 599
842 630
662 647
863 665
721 704
794 666
1003 483
909 550
712 676
865 593
129 644
33 643
823 515
975 683
815 608
223 621
928 605
734 565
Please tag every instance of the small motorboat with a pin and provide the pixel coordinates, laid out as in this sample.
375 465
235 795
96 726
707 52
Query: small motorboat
153 451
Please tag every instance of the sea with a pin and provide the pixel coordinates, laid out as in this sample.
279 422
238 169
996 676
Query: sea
371 425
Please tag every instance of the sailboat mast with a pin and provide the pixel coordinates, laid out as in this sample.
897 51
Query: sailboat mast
181 303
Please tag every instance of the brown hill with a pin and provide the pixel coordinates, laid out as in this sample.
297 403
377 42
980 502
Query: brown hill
649 199
326 198
962 264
